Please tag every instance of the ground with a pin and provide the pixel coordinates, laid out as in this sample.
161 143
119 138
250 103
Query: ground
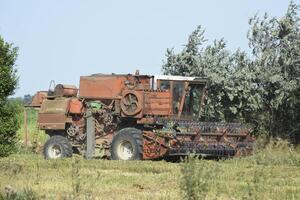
266 175
273 172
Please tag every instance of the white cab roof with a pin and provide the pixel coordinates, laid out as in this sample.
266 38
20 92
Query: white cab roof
175 78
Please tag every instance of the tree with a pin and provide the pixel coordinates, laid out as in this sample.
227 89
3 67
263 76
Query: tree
8 110
275 45
262 89
229 75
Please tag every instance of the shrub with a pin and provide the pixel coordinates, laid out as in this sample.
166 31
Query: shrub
9 124
8 110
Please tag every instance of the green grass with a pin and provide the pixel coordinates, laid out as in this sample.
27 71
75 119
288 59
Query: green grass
97 179
271 173
34 134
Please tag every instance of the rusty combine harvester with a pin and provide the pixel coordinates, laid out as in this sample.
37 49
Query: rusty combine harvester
135 117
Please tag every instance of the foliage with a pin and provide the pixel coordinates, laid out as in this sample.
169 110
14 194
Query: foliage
25 194
8 77
8 110
275 47
262 89
9 125
230 95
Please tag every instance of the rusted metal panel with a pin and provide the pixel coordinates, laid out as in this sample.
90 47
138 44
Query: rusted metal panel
101 87
148 120
65 90
52 114
52 121
76 106
157 103
153 146
38 99
111 86
58 105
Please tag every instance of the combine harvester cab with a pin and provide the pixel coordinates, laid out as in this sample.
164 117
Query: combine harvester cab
136 117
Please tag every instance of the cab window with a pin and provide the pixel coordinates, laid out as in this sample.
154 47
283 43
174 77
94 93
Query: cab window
165 85
178 88
193 100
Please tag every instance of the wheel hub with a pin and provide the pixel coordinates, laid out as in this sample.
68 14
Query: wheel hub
55 151
125 150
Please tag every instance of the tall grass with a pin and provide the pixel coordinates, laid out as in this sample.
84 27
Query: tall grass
271 173
36 137
76 184
25 194
198 176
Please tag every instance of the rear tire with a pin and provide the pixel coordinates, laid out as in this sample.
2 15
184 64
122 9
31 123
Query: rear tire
127 145
57 147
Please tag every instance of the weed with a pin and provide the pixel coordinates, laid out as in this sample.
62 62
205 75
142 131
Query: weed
197 177
25 194
76 186
37 173
256 185
11 168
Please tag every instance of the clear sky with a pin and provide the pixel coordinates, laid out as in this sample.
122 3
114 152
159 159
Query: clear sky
63 39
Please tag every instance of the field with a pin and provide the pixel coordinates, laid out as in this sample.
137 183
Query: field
271 173
262 176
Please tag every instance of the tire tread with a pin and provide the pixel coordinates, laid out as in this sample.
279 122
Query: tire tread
63 141
136 134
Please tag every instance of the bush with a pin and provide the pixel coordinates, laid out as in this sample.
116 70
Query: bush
9 118
8 110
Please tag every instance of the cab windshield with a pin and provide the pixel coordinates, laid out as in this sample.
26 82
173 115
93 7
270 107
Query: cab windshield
186 96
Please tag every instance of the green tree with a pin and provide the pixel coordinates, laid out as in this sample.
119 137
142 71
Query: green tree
275 45
8 110
262 89
230 93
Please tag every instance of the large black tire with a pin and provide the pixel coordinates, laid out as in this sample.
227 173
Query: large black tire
130 141
57 147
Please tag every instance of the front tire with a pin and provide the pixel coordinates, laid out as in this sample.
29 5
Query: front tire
57 147
127 145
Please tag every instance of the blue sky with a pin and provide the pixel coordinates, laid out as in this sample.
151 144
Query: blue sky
62 40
